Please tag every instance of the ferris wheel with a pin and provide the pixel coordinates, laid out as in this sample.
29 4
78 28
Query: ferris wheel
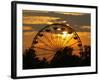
55 37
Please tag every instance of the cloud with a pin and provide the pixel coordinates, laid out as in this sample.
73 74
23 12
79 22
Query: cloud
34 11
27 28
39 19
30 33
82 28
72 13
85 27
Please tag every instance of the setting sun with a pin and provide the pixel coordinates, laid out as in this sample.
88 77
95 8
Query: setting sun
64 34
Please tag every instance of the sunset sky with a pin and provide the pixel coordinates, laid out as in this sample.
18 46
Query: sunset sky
33 21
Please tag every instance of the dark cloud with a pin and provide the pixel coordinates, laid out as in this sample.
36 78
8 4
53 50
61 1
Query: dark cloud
76 21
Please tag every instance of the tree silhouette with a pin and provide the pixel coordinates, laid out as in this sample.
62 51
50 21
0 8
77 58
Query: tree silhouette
29 59
65 58
86 61
62 58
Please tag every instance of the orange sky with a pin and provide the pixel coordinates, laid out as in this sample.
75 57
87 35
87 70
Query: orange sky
28 37
33 21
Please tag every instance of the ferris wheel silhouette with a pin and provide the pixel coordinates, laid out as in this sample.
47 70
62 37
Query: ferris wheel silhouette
56 37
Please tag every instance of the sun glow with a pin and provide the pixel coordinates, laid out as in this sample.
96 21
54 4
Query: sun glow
64 34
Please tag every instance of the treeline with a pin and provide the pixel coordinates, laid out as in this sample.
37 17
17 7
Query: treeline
61 59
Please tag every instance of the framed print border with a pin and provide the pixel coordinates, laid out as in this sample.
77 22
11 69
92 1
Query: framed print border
14 41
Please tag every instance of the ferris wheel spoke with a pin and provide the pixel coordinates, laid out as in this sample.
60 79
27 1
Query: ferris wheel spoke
44 49
50 56
49 41
56 35
67 41
51 36
59 40
55 42
47 45
41 41
72 44
63 42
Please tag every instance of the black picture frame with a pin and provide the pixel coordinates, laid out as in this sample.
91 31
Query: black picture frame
14 38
